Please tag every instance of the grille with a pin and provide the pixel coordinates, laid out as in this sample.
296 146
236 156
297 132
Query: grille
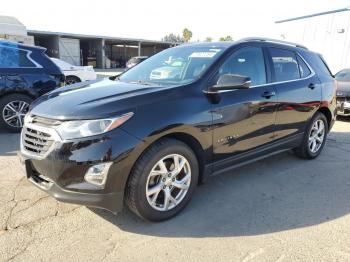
36 142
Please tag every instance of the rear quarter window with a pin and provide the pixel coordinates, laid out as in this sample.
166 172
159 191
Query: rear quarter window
15 58
318 63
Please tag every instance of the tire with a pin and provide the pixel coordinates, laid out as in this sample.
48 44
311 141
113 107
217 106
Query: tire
70 80
12 113
141 182
305 149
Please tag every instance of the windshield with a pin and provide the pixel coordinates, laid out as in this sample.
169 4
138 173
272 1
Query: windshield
173 66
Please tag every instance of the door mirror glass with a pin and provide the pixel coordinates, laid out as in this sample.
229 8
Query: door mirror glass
230 82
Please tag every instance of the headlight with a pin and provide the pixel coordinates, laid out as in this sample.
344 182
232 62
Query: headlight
84 128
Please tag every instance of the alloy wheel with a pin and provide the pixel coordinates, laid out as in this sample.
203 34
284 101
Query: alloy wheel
168 182
13 113
70 82
316 136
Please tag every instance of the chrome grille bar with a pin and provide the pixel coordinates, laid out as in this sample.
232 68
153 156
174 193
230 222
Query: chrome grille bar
38 137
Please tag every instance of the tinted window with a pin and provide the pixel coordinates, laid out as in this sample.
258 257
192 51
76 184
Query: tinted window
323 65
14 58
303 68
248 61
285 64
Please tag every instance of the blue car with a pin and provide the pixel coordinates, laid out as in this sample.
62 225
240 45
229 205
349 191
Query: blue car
25 74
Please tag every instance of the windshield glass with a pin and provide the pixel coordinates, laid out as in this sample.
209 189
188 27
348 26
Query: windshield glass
173 66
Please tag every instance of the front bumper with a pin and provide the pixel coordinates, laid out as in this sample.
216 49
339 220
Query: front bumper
61 172
111 201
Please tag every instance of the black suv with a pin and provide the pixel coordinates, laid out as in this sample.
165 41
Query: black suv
25 74
148 139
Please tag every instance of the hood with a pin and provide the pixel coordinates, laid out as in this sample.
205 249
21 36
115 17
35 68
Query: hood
92 100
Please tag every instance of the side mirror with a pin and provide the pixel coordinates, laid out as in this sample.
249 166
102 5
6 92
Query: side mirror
231 82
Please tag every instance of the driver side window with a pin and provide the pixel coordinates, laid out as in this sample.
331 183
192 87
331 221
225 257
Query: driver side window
248 61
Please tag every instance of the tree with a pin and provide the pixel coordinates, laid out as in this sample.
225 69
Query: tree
226 38
187 34
172 38
209 39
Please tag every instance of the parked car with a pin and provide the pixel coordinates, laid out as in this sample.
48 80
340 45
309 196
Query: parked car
25 74
149 142
343 92
135 60
171 69
75 74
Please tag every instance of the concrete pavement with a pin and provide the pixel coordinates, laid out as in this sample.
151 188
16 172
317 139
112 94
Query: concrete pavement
278 209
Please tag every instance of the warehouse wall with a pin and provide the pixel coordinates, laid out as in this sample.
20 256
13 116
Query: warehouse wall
327 34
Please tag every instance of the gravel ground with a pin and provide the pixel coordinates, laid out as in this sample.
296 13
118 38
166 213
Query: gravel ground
278 209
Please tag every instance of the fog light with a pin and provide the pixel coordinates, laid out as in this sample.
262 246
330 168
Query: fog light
97 174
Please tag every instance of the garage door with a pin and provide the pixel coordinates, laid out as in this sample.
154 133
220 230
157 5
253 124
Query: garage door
70 50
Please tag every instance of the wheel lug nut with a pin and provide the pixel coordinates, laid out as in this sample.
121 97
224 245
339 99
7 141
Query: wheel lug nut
164 187
169 175
163 179
173 179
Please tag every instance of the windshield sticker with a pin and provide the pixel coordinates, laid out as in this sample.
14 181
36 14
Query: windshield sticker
203 54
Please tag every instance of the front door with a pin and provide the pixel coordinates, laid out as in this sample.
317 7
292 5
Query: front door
244 119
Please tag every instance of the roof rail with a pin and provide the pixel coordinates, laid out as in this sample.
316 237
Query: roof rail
262 39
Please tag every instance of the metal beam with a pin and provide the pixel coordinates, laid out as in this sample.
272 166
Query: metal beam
313 15
139 49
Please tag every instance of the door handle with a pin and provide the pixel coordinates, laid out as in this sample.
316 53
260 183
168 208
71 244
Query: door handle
267 94
311 86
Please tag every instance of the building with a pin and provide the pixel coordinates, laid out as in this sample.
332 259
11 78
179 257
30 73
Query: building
78 49
327 33
13 30
99 51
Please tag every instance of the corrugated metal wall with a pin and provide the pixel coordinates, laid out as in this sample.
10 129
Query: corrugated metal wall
69 50
327 34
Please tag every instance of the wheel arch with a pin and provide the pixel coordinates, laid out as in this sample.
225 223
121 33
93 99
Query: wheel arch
186 138
194 144
19 92
74 76
327 113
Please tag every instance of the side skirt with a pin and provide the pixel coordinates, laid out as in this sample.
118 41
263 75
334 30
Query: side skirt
251 156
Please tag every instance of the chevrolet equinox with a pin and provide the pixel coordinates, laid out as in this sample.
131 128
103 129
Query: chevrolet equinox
149 136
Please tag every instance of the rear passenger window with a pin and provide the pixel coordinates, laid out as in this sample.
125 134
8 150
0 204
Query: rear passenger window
285 64
303 68
14 58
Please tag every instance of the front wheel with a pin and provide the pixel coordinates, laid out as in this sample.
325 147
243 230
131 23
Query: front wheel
162 181
314 138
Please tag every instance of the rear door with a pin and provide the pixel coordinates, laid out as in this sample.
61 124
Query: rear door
298 91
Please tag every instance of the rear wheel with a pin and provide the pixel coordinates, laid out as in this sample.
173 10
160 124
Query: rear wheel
162 181
70 80
314 138
12 111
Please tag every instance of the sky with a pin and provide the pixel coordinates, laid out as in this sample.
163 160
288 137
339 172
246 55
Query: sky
153 19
